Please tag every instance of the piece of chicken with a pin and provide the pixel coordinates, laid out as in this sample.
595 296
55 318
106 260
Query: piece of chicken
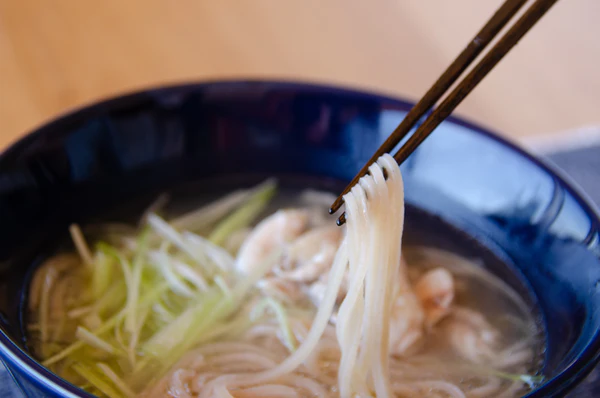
312 254
435 290
273 233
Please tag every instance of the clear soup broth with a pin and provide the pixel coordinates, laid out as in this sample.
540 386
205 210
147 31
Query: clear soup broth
134 312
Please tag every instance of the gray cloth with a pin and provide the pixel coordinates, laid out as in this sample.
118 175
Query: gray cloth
583 165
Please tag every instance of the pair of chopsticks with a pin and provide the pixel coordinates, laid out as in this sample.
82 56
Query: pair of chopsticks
498 21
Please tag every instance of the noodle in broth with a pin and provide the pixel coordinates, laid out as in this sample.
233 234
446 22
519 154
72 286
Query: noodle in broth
292 307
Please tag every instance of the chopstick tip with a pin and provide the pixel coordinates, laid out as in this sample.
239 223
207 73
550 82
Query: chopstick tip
336 205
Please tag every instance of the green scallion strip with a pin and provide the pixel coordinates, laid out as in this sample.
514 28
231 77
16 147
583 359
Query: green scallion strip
95 379
244 215
282 318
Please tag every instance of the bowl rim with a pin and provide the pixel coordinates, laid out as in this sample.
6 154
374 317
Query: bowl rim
10 351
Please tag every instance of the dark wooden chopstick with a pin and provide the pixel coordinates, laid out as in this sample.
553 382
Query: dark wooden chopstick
453 72
467 56
491 59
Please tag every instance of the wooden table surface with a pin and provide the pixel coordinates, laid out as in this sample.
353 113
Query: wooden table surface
60 54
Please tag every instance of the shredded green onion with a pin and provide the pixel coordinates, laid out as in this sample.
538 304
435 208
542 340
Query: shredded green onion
89 338
102 274
136 279
220 282
80 244
282 318
193 276
163 264
206 216
146 300
117 381
80 311
95 379
530 380
49 280
162 228
244 215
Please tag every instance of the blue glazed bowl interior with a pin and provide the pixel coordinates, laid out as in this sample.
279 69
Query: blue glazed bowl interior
120 153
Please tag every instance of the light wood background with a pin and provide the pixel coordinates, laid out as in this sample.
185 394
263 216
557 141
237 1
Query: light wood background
60 54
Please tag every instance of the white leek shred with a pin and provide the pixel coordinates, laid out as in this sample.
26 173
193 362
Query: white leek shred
136 279
211 213
245 215
163 263
130 283
48 283
191 275
117 381
163 313
219 256
162 228
96 380
89 338
206 216
102 274
282 319
220 282
154 207
80 244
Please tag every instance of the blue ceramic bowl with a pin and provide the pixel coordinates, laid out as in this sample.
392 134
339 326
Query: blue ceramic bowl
77 167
